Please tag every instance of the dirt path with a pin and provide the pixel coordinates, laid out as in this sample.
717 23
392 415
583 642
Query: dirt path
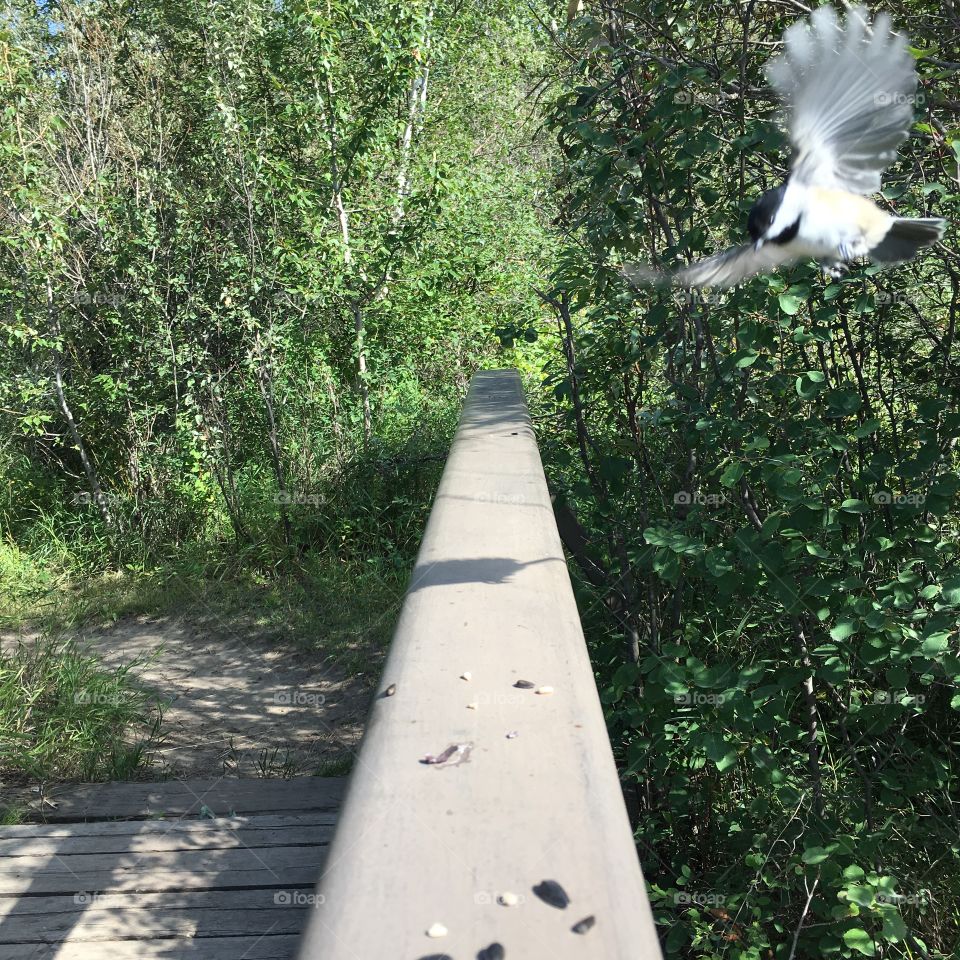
234 704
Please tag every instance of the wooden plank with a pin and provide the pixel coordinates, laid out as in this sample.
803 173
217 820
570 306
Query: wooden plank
157 922
208 834
271 867
177 900
490 594
281 947
101 828
188 798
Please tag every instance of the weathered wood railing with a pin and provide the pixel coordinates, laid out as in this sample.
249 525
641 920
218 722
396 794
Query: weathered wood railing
527 790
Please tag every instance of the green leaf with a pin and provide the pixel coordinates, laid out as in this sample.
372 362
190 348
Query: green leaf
789 304
861 941
814 855
731 475
950 591
860 895
935 644
894 928
843 630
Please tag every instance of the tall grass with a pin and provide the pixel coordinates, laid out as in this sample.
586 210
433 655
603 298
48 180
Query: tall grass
64 716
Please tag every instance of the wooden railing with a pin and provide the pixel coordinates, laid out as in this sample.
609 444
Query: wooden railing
484 807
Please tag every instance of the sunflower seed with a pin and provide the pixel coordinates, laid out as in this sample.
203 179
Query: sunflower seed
513 734
524 684
466 675
549 891
391 690
443 757
437 930
544 690
457 752
472 706
494 952
508 899
584 925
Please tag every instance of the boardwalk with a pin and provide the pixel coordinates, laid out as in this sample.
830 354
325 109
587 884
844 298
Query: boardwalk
211 869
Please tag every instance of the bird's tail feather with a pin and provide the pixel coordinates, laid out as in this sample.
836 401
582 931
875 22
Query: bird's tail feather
905 237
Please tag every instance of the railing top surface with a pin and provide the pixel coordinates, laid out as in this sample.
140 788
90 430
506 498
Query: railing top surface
530 792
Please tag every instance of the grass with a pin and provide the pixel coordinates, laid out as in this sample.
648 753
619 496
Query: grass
345 611
64 716
337 767
336 593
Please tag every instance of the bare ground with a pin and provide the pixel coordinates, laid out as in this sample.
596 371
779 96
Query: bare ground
234 703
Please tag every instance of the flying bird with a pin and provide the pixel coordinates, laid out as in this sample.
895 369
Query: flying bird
848 93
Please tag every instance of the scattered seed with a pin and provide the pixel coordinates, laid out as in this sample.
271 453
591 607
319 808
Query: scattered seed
472 706
544 690
466 675
391 690
437 930
494 952
443 757
457 752
513 734
438 956
549 891
584 925
508 899
525 684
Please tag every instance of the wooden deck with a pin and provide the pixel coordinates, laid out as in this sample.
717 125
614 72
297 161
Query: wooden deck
212 869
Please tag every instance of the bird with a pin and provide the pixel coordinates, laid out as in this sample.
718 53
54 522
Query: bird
848 92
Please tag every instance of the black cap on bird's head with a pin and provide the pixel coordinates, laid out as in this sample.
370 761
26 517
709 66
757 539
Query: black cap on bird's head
763 212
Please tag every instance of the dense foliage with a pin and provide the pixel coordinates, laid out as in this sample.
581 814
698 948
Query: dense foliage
250 254
759 488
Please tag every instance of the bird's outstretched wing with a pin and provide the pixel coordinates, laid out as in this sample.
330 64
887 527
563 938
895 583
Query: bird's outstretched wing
849 98
725 269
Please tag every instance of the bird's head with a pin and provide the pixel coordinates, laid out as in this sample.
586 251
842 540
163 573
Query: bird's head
763 213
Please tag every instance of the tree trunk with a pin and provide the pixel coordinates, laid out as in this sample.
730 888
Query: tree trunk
89 468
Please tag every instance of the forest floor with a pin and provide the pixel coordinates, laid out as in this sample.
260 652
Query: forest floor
234 703
240 694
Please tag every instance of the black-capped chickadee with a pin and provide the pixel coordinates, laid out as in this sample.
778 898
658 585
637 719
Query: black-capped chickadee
848 93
